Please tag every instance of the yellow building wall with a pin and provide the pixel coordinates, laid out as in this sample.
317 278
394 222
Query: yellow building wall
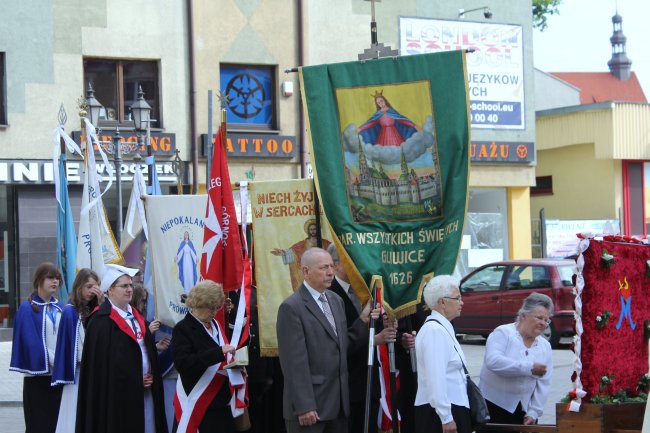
583 187
519 231
258 33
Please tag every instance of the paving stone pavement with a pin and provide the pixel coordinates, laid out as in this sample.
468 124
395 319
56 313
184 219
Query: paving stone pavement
11 419
11 394
11 383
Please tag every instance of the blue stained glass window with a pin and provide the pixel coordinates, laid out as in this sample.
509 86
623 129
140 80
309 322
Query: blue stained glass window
250 91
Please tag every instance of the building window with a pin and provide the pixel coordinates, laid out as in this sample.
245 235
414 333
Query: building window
116 87
543 186
3 91
251 96
485 233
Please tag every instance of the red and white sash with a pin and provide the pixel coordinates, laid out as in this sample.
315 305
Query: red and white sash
385 419
189 409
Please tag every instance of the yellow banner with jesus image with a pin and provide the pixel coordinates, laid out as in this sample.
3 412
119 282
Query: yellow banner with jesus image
284 221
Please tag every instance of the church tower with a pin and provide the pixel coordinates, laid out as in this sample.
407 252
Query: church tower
363 165
404 166
619 64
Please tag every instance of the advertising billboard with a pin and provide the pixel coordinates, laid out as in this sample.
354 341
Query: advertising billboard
495 68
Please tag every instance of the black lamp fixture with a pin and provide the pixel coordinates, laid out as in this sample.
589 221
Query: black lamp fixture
141 112
487 13
93 105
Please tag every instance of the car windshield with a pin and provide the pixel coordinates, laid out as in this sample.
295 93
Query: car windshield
566 275
528 277
484 280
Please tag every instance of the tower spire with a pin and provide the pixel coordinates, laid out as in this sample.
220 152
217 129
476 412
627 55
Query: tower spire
619 64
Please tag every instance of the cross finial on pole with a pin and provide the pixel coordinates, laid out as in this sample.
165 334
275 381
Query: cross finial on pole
223 100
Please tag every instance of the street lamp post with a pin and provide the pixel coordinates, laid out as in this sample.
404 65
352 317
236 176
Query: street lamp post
93 106
141 111
117 146
94 109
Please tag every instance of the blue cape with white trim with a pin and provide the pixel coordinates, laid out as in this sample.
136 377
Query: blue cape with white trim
65 362
28 352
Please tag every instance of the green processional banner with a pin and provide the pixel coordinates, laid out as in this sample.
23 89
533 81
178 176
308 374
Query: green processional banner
389 145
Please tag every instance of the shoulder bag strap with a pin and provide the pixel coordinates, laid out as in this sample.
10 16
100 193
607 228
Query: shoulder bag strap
461 358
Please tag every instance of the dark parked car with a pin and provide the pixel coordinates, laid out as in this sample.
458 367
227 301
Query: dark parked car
493 293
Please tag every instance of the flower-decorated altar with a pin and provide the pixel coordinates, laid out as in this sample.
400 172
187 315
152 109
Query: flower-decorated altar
611 366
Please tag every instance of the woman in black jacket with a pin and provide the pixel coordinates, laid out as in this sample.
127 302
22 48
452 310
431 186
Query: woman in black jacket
200 346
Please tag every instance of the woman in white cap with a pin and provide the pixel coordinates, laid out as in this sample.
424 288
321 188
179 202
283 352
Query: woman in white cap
120 387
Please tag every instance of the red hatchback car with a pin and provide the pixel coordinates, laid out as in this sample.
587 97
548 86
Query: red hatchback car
493 294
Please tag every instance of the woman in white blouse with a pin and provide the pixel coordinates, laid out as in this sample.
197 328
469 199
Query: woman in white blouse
518 363
441 403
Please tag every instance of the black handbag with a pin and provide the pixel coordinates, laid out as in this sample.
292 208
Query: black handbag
478 409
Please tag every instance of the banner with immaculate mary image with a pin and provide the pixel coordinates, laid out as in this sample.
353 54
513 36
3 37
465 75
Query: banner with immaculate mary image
389 144
176 224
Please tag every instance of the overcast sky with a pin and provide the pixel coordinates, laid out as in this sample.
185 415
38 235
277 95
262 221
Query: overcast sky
577 40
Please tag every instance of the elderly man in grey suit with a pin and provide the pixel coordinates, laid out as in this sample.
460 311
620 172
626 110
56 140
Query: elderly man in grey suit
313 341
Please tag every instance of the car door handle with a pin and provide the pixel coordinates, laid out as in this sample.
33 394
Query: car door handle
495 298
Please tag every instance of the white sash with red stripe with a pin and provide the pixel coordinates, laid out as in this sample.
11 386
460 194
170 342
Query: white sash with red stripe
189 409
384 417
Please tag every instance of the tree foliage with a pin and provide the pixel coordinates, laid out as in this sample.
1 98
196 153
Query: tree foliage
542 9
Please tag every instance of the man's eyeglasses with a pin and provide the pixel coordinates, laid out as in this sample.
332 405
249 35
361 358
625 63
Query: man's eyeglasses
457 298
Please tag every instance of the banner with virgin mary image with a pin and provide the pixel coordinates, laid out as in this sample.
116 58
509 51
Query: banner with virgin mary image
389 145
176 224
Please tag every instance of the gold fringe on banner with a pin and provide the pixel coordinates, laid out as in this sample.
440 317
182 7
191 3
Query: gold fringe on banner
270 353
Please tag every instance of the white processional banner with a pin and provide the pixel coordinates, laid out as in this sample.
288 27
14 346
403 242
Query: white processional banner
175 225
96 245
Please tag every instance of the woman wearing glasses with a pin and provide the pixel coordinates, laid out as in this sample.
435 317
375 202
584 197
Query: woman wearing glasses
34 342
441 403
199 346
120 387
516 372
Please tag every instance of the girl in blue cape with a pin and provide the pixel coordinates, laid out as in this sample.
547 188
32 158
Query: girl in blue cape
34 343
386 127
84 298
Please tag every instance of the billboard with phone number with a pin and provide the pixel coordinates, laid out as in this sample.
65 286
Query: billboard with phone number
495 70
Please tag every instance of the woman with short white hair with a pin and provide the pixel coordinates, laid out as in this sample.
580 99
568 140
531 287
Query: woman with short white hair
518 362
441 403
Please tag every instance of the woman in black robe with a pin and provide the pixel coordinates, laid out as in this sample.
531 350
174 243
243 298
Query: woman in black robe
120 387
